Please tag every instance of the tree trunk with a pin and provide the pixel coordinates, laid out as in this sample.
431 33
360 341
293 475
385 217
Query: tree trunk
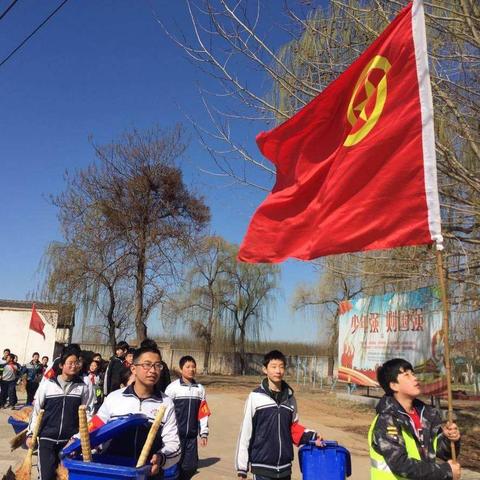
209 339
206 357
243 361
112 337
140 327
333 347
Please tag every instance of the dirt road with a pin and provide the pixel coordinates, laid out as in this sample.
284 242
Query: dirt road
337 420
217 459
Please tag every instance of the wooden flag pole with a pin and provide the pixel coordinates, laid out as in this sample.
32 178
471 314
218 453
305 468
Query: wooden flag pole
446 341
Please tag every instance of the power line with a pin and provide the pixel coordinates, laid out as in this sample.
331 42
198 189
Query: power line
15 50
8 9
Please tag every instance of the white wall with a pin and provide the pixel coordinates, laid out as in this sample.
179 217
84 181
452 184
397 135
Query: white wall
15 335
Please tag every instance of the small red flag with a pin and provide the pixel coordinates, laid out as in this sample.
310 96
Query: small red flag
356 167
36 322
94 423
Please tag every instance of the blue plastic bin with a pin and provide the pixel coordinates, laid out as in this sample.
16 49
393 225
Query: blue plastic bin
17 425
331 462
104 466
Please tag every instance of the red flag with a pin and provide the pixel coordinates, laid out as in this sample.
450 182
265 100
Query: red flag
94 423
36 322
203 411
356 167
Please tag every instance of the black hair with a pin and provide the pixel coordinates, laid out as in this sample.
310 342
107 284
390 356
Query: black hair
35 353
148 342
123 345
274 355
45 356
131 350
185 359
6 350
125 374
68 352
73 347
140 351
388 372
97 355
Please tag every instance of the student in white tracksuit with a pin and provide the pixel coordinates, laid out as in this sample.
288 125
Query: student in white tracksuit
192 415
140 397
60 397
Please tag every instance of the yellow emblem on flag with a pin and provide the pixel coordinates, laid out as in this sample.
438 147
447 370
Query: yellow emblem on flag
360 114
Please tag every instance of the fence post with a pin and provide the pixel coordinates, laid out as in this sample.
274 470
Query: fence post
304 368
298 377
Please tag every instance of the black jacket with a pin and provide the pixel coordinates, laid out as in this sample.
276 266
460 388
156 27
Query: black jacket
388 441
164 380
113 375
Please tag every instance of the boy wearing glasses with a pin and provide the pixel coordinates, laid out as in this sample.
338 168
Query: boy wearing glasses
406 437
192 415
140 397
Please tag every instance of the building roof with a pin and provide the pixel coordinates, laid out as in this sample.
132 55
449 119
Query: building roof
66 312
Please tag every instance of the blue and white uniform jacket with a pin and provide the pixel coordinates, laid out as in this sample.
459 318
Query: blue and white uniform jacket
189 398
125 401
60 420
269 429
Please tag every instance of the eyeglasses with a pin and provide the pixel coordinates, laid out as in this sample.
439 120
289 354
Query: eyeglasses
147 366
72 364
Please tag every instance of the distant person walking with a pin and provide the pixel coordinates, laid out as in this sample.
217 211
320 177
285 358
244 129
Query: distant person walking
9 382
34 371
115 367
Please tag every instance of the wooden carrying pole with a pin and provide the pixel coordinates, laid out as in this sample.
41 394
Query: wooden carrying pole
84 435
446 341
142 460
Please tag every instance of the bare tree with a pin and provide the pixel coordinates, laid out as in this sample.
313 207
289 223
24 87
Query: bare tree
324 299
127 220
148 208
229 40
251 293
87 270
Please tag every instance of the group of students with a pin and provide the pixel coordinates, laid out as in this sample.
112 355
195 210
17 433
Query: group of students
132 384
405 438
11 373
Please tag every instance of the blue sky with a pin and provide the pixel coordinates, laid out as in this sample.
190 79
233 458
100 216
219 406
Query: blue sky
97 69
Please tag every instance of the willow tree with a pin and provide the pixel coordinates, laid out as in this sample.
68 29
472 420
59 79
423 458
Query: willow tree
250 295
200 302
88 269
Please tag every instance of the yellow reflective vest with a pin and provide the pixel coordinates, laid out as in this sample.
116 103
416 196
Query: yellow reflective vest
378 466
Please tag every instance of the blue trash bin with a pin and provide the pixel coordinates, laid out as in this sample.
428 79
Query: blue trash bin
17 425
104 466
331 462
